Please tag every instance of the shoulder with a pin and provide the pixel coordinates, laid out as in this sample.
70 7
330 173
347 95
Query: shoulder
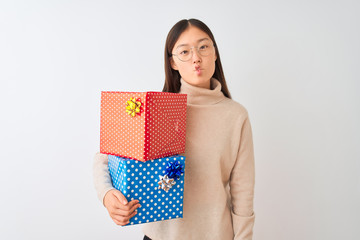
235 108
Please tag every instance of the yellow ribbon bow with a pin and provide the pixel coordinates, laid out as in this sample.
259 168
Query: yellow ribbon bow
133 107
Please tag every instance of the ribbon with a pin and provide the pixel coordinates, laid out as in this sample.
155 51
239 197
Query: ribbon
133 106
174 170
166 183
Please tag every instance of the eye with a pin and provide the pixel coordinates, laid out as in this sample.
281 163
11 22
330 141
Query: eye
203 47
184 52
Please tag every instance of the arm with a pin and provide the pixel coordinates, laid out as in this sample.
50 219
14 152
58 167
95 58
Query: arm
242 183
101 175
120 210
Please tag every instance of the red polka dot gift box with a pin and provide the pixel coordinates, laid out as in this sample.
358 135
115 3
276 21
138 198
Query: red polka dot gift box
142 125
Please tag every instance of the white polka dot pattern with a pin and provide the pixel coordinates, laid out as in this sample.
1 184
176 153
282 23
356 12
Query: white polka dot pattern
158 131
138 180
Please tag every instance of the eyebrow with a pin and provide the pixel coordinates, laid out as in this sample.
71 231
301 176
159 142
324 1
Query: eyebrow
200 40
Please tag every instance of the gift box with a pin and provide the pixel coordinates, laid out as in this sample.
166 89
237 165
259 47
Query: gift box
142 126
158 185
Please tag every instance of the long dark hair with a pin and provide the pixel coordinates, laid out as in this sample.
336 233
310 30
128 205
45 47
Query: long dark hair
172 77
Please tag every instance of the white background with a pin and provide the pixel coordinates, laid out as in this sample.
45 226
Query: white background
293 64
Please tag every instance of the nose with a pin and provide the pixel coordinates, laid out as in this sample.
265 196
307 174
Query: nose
195 56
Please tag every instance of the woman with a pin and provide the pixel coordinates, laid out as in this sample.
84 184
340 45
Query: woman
219 181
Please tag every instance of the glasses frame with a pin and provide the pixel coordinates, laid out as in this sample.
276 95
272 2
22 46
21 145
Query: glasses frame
192 52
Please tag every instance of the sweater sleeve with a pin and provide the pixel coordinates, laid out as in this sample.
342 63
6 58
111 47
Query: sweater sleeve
242 183
101 175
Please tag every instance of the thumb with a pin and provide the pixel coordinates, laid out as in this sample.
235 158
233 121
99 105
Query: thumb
121 197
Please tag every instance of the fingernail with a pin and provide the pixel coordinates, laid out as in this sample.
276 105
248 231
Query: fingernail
124 202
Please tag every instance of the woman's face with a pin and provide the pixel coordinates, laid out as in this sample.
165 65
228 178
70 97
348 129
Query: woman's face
200 67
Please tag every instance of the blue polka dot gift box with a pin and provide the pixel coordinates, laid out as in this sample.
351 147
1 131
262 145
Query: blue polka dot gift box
158 184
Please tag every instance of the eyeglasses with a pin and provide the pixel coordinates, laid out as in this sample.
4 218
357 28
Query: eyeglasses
185 52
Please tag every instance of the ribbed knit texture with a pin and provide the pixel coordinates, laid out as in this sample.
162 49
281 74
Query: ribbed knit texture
219 171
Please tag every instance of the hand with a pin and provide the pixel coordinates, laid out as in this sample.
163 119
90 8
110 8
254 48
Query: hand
120 210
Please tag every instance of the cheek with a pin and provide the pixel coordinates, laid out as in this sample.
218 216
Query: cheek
212 67
211 64
184 68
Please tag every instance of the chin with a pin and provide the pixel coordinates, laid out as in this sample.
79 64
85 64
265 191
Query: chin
200 81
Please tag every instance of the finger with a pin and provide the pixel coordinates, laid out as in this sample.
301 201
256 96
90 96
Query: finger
125 213
133 214
128 206
122 199
135 207
127 219
120 222
119 200
122 219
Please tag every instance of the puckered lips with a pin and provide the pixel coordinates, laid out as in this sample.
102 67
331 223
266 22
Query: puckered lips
198 69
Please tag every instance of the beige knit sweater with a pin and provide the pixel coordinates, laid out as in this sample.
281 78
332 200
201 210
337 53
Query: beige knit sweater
219 171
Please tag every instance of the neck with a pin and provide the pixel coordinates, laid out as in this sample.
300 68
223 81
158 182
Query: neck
206 85
202 96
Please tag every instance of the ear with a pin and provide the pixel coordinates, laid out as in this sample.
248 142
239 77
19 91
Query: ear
173 64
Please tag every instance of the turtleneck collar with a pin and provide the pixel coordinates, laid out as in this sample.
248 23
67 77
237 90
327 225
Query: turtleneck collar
202 96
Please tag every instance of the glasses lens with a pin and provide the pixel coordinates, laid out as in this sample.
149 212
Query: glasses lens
205 48
184 53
